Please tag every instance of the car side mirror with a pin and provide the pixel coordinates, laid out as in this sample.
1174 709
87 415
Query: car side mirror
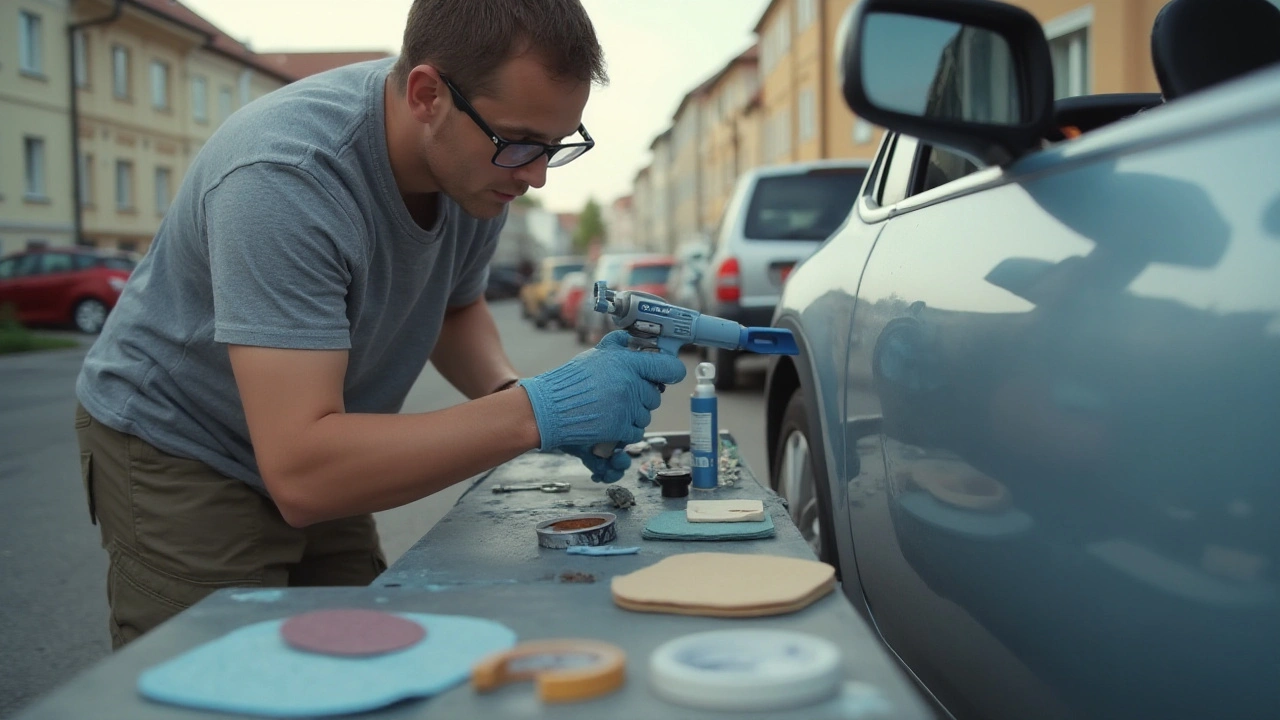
975 77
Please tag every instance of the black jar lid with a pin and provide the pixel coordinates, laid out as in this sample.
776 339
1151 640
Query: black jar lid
675 482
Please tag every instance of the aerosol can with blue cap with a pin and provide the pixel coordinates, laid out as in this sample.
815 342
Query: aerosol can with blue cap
704 429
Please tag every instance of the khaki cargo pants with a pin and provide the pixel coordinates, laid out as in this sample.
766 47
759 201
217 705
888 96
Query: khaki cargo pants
175 531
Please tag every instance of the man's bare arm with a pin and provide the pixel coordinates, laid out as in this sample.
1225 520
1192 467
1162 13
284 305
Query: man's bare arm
469 351
321 463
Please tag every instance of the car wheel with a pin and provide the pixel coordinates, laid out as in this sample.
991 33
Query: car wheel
540 320
581 334
725 362
89 316
795 479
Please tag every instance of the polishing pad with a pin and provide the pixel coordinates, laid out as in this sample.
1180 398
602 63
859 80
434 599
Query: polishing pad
253 670
350 632
724 585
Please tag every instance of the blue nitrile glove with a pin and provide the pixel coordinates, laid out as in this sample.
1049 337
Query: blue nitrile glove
602 470
605 394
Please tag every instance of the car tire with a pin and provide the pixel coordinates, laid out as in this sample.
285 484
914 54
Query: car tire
795 479
540 320
89 315
726 364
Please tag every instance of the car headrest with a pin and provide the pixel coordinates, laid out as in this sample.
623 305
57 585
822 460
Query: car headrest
1199 43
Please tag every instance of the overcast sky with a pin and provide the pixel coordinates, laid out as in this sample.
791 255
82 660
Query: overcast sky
657 51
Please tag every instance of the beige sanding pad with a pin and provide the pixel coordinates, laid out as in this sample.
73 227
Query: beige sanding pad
724 585
724 511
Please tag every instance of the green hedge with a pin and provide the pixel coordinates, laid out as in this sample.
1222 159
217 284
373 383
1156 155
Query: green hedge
15 338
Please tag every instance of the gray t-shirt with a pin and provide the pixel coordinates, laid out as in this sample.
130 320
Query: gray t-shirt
288 232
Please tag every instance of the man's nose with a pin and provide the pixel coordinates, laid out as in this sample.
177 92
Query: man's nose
534 174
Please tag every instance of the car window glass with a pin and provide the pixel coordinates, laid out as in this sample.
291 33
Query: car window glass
897 181
561 270
84 261
649 275
27 265
57 263
802 207
943 166
7 267
119 263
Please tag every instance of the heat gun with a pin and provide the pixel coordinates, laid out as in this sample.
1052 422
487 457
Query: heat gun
656 325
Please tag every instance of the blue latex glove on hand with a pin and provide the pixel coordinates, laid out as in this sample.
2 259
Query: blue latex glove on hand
605 394
602 470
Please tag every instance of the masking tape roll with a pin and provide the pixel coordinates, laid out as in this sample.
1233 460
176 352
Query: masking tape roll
562 670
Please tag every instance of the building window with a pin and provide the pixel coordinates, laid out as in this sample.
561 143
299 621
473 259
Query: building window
86 180
120 71
163 193
33 162
199 99
124 185
246 80
862 131
30 44
80 49
808 115
806 13
159 85
1069 43
224 103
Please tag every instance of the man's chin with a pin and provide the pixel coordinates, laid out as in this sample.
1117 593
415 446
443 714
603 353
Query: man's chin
483 209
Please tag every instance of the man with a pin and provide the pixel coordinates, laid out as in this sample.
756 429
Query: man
239 412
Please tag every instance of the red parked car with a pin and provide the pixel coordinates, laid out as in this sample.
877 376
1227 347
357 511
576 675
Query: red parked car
647 274
60 286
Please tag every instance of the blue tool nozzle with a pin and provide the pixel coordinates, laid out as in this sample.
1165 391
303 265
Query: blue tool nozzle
768 341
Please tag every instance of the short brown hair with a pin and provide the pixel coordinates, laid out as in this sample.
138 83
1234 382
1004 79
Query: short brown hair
468 40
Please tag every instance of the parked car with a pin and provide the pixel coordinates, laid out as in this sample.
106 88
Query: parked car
542 286
504 283
569 297
778 215
691 264
647 274
590 325
64 286
1034 417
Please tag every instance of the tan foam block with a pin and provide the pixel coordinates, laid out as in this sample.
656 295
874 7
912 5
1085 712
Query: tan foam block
724 511
724 584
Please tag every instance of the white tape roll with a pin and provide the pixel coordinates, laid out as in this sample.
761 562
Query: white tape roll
746 670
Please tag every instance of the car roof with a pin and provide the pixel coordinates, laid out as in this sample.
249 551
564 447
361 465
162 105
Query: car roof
651 261
801 168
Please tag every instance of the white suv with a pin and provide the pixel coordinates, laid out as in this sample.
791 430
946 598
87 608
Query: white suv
778 216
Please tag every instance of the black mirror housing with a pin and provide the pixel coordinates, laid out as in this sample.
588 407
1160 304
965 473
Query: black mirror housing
1032 70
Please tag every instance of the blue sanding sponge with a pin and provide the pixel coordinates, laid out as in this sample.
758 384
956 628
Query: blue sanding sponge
675 525
253 671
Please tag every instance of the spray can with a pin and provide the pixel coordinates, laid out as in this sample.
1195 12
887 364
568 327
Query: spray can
704 430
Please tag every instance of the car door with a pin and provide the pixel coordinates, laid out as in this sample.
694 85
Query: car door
19 286
1069 506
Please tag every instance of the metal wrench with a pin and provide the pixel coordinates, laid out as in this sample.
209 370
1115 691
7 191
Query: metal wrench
547 487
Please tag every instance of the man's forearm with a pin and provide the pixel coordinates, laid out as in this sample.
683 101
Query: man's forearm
469 351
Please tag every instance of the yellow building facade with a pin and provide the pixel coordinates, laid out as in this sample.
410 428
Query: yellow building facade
799 113
727 133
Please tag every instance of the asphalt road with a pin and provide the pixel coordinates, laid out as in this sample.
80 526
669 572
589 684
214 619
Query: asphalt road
53 594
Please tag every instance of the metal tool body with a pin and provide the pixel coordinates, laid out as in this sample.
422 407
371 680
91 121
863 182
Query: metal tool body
656 325
547 487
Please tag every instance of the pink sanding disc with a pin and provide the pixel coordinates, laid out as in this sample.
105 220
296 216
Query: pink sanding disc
351 632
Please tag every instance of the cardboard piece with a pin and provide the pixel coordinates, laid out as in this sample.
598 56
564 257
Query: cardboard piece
724 585
705 511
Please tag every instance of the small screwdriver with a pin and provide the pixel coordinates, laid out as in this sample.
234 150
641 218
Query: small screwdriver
549 487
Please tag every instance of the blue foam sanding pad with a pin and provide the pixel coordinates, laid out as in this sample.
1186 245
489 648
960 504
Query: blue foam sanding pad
675 525
254 671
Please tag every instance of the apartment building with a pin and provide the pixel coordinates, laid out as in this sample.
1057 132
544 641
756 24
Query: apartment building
799 113
152 79
661 221
725 136
687 168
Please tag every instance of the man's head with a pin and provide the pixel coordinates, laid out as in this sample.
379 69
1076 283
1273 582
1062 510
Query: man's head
483 77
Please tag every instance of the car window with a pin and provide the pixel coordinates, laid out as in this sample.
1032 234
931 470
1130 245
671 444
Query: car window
84 261
649 275
7 268
802 207
561 270
117 263
942 166
57 263
27 265
897 176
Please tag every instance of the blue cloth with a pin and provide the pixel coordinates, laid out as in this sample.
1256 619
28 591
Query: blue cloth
253 671
600 550
605 394
675 525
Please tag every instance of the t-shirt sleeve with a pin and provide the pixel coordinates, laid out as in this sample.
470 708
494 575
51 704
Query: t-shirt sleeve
275 236
475 278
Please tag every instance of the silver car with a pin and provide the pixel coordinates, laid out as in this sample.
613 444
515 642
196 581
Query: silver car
1035 417
778 215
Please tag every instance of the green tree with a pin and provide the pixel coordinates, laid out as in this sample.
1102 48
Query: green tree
591 227
532 201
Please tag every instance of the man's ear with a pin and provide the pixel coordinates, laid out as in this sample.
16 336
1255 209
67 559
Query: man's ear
426 94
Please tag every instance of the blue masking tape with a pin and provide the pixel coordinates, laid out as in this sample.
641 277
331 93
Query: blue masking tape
600 550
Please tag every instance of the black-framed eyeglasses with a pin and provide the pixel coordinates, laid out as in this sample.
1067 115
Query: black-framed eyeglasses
514 154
